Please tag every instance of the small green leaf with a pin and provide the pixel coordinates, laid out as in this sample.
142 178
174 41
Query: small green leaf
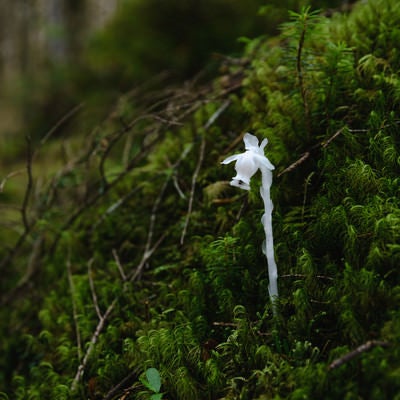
154 380
156 396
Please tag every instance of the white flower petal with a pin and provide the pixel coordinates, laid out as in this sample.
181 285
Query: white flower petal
231 158
250 141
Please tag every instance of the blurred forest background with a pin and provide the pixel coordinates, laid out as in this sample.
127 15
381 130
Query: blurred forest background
63 63
57 54
123 247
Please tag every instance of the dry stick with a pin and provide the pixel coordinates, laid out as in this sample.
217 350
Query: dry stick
100 194
116 136
141 154
32 267
115 206
29 185
30 156
74 308
9 176
147 253
323 145
93 291
24 208
210 121
148 250
305 276
134 375
192 190
359 350
119 265
93 341
64 119
103 317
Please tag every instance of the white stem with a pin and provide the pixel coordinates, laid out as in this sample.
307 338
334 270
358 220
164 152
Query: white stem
268 247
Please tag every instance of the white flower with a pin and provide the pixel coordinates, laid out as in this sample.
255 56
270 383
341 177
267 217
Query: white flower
249 162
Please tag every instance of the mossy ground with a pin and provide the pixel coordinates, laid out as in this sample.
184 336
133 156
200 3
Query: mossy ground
139 254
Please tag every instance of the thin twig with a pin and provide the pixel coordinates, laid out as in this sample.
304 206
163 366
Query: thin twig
64 119
147 253
104 317
119 265
74 308
193 188
320 145
24 210
134 375
145 257
294 165
210 121
9 176
304 276
115 206
31 269
230 324
93 341
93 290
359 350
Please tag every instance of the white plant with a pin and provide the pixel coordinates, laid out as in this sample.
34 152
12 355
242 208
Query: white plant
247 164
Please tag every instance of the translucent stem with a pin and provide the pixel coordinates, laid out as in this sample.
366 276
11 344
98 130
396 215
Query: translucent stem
268 246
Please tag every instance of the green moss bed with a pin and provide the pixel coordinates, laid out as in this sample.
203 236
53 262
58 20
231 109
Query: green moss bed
137 254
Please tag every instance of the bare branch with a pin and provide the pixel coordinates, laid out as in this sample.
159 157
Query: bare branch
31 269
64 119
93 291
356 352
24 210
294 165
9 176
93 341
119 265
74 308
122 385
209 123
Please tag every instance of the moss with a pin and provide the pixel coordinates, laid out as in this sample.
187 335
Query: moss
152 260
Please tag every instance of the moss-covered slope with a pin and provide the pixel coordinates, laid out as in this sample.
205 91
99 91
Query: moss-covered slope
139 254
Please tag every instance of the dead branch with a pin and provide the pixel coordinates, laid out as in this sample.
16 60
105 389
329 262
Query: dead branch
60 122
74 308
209 123
356 352
9 176
122 385
31 269
294 165
25 203
119 265
93 290
320 145
296 276
93 341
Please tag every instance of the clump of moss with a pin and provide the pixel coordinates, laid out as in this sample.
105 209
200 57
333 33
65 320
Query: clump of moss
158 264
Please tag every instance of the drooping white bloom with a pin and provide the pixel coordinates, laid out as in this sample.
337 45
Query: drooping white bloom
247 164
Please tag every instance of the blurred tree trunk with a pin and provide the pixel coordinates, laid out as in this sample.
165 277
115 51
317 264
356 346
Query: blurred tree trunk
35 32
